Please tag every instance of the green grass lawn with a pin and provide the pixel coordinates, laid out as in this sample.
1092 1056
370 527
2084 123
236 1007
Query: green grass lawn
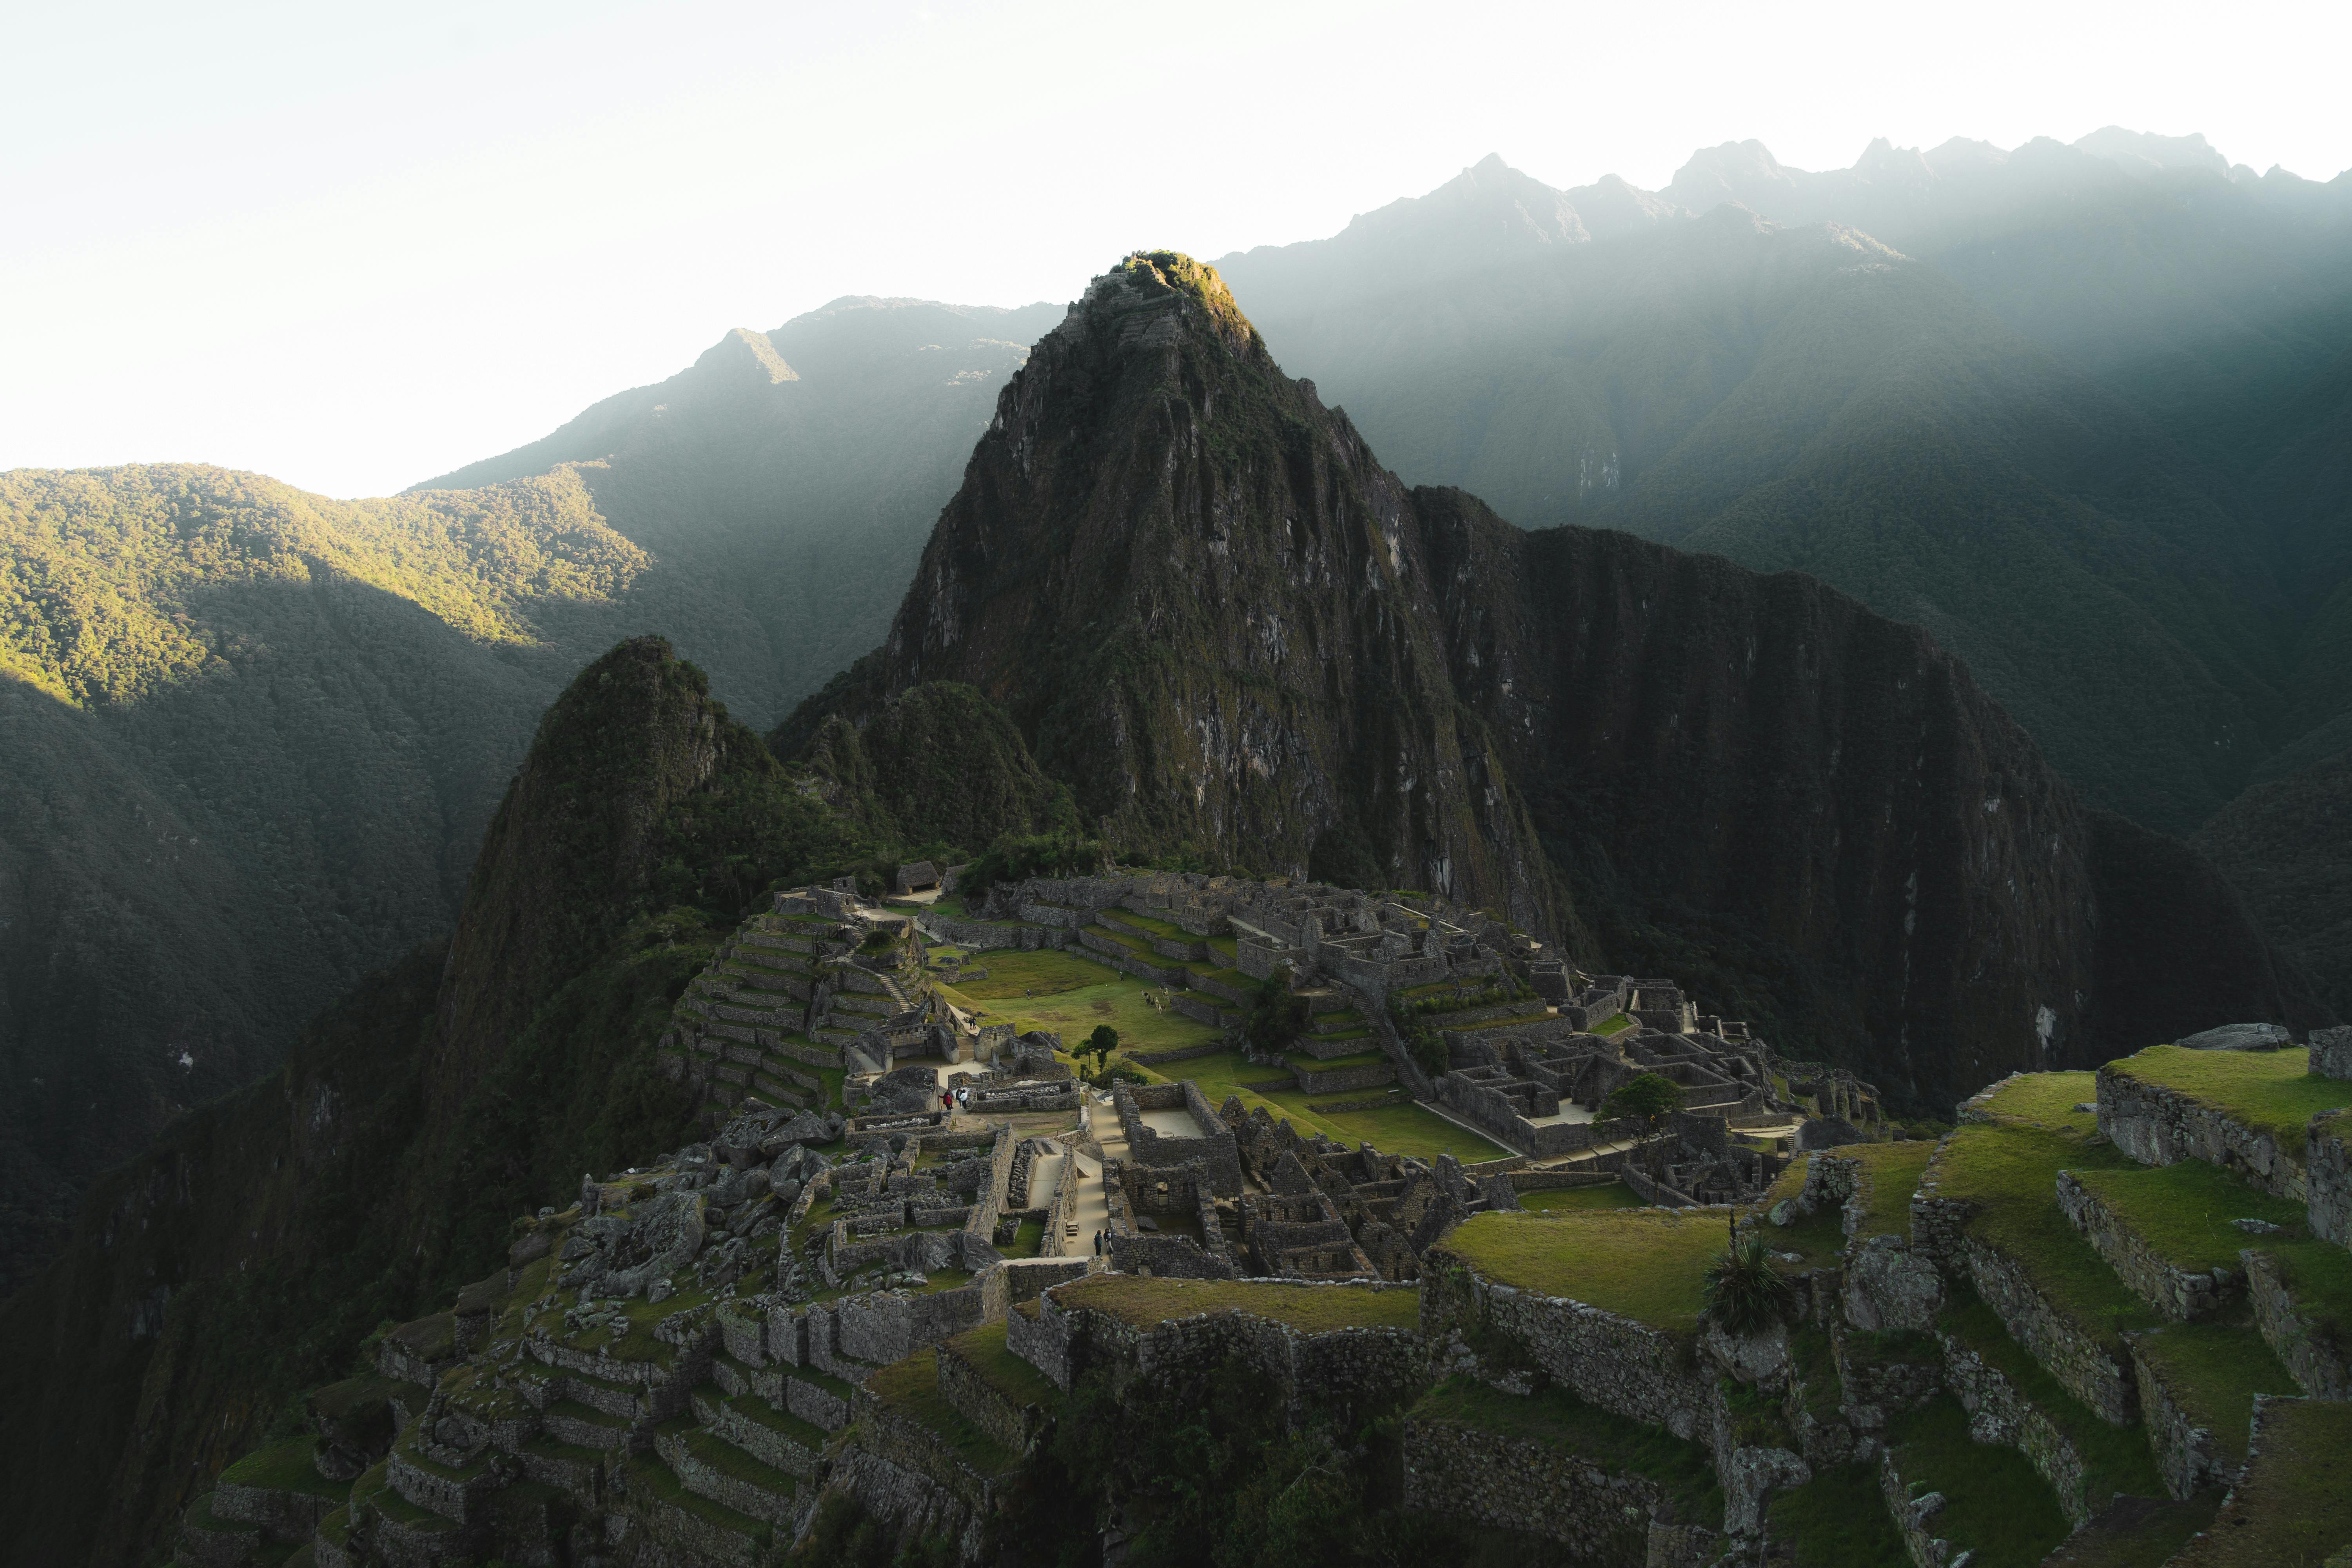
2046 1100
1402 1127
1559 1420
1310 1309
2183 1211
1996 1505
1073 996
1643 1264
2271 1091
1603 1196
1818 1238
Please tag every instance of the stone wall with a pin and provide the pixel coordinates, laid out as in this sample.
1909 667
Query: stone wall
1466 1472
2331 1051
985 1406
987 934
990 1201
2183 1450
2316 1360
1147 1146
1624 1367
1344 1369
2093 1369
1340 1080
1914 1517
2327 1174
2181 1295
1998 1413
2157 1126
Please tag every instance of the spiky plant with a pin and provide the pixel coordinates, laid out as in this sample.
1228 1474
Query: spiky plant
1745 1294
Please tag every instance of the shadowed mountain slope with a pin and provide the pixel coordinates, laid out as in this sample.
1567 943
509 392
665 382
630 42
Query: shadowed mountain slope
255 735
1808 397
1214 614
249 1252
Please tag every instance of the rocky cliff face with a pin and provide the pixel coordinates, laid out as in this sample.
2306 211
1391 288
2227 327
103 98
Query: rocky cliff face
1211 610
1189 585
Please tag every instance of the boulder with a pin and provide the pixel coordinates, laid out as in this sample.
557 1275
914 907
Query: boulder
1890 1286
2238 1038
2331 1051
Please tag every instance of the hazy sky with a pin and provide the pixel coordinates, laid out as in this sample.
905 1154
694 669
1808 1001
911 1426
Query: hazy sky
354 246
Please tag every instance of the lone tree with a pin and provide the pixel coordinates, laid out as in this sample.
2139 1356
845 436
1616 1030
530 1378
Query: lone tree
1100 1046
1650 1098
1278 1015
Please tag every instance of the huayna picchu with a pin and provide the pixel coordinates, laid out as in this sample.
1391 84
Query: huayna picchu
1277 1019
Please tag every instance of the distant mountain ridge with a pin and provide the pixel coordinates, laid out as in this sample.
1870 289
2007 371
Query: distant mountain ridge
254 736
2074 409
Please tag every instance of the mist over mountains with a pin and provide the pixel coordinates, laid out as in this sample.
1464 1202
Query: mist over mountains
2083 412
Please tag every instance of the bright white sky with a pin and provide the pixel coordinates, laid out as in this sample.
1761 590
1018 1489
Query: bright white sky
354 246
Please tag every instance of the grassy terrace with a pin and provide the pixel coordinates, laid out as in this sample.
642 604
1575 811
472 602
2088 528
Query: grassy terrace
2116 1458
2214 1370
1837 1520
1402 1127
1309 1309
1893 1171
1560 1421
2271 1091
2183 1211
1616 1024
1996 1506
284 1467
2007 1163
1016 1379
2293 1508
910 1389
1643 1264
1069 995
1155 926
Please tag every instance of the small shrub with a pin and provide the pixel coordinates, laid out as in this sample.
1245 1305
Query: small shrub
1744 1293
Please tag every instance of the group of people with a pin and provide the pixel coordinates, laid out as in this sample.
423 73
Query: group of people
955 1100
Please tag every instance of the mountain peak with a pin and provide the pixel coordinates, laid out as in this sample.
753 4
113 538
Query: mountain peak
2146 150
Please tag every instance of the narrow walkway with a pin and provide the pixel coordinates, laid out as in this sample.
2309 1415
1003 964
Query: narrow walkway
1045 1181
1093 1212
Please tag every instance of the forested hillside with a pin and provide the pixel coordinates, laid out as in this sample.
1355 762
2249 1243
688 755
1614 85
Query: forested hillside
255 735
